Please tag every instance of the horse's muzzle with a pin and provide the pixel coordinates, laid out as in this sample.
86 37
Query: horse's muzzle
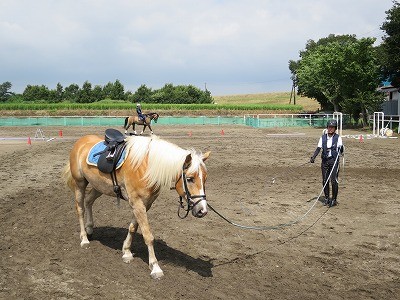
199 210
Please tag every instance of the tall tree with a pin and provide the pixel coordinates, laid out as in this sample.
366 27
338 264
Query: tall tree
117 92
336 69
142 94
5 93
71 92
59 93
85 94
390 48
36 93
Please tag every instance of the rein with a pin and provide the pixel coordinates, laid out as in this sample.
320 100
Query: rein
189 198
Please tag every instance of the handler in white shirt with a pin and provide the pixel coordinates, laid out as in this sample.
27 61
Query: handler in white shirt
332 145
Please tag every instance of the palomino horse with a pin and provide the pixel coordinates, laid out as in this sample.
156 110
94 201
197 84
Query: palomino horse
135 120
150 165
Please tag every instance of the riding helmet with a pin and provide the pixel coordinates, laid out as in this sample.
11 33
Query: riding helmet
137 104
332 123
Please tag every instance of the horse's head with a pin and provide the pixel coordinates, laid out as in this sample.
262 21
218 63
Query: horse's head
155 117
191 183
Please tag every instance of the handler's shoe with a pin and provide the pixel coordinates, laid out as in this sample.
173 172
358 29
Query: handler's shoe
333 203
326 201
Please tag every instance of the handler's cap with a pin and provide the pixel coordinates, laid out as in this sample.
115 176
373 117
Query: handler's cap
332 123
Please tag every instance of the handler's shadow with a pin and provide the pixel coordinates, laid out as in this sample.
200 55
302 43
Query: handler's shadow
114 237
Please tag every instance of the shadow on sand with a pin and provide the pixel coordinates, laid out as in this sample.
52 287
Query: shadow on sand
114 237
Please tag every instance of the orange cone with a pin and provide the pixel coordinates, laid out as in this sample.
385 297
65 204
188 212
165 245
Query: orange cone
29 140
361 138
60 133
190 133
222 132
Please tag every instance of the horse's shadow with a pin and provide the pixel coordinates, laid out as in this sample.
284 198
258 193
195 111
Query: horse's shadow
114 237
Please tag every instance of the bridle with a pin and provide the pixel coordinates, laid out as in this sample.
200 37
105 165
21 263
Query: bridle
154 116
190 204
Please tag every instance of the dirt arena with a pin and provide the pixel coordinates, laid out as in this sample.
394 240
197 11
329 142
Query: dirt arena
257 177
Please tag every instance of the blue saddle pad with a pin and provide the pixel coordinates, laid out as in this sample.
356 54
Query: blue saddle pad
100 146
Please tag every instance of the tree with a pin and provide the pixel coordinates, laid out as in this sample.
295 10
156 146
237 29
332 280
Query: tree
58 93
336 69
5 94
117 92
97 93
85 94
390 48
114 91
108 90
142 94
36 93
71 92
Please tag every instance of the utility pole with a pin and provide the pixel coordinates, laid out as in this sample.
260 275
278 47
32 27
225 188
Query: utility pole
293 92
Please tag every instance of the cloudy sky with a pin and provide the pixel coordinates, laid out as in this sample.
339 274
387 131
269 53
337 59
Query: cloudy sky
226 46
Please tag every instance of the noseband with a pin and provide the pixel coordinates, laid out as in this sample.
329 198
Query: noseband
190 204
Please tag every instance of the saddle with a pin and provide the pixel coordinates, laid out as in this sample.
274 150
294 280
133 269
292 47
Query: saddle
109 157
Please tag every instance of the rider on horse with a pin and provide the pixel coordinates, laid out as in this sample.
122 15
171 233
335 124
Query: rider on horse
139 112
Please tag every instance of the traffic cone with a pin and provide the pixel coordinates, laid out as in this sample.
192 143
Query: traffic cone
361 138
222 132
29 140
190 133
60 133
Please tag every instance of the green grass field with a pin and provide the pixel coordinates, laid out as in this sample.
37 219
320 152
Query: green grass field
268 98
224 105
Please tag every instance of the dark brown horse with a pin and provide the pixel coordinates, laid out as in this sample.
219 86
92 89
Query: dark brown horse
151 164
136 120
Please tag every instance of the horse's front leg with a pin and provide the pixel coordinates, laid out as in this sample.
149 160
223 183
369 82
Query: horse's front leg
133 127
144 127
151 130
139 211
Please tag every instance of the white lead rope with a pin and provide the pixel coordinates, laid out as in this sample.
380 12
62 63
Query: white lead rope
278 226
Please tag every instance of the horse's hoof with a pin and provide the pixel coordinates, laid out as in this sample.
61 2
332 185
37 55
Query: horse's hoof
157 275
127 258
85 244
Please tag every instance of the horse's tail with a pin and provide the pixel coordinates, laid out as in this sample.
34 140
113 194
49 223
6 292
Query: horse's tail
67 176
126 122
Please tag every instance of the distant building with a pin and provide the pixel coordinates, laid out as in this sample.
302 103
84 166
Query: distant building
391 105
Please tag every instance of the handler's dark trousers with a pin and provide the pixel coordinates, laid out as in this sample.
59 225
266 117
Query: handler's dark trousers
326 166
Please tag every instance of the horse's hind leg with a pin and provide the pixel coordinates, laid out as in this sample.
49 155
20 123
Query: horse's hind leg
126 128
90 197
80 209
126 248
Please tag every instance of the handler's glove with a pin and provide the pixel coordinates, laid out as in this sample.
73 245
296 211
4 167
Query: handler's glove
312 159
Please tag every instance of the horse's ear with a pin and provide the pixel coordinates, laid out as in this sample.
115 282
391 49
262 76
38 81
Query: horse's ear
188 161
206 155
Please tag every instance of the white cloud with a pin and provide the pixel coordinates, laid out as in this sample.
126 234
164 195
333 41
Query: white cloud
233 45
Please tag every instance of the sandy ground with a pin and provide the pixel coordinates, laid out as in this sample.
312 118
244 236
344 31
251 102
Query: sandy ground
257 177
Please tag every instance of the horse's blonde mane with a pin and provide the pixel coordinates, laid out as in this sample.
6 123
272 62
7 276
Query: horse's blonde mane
164 159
